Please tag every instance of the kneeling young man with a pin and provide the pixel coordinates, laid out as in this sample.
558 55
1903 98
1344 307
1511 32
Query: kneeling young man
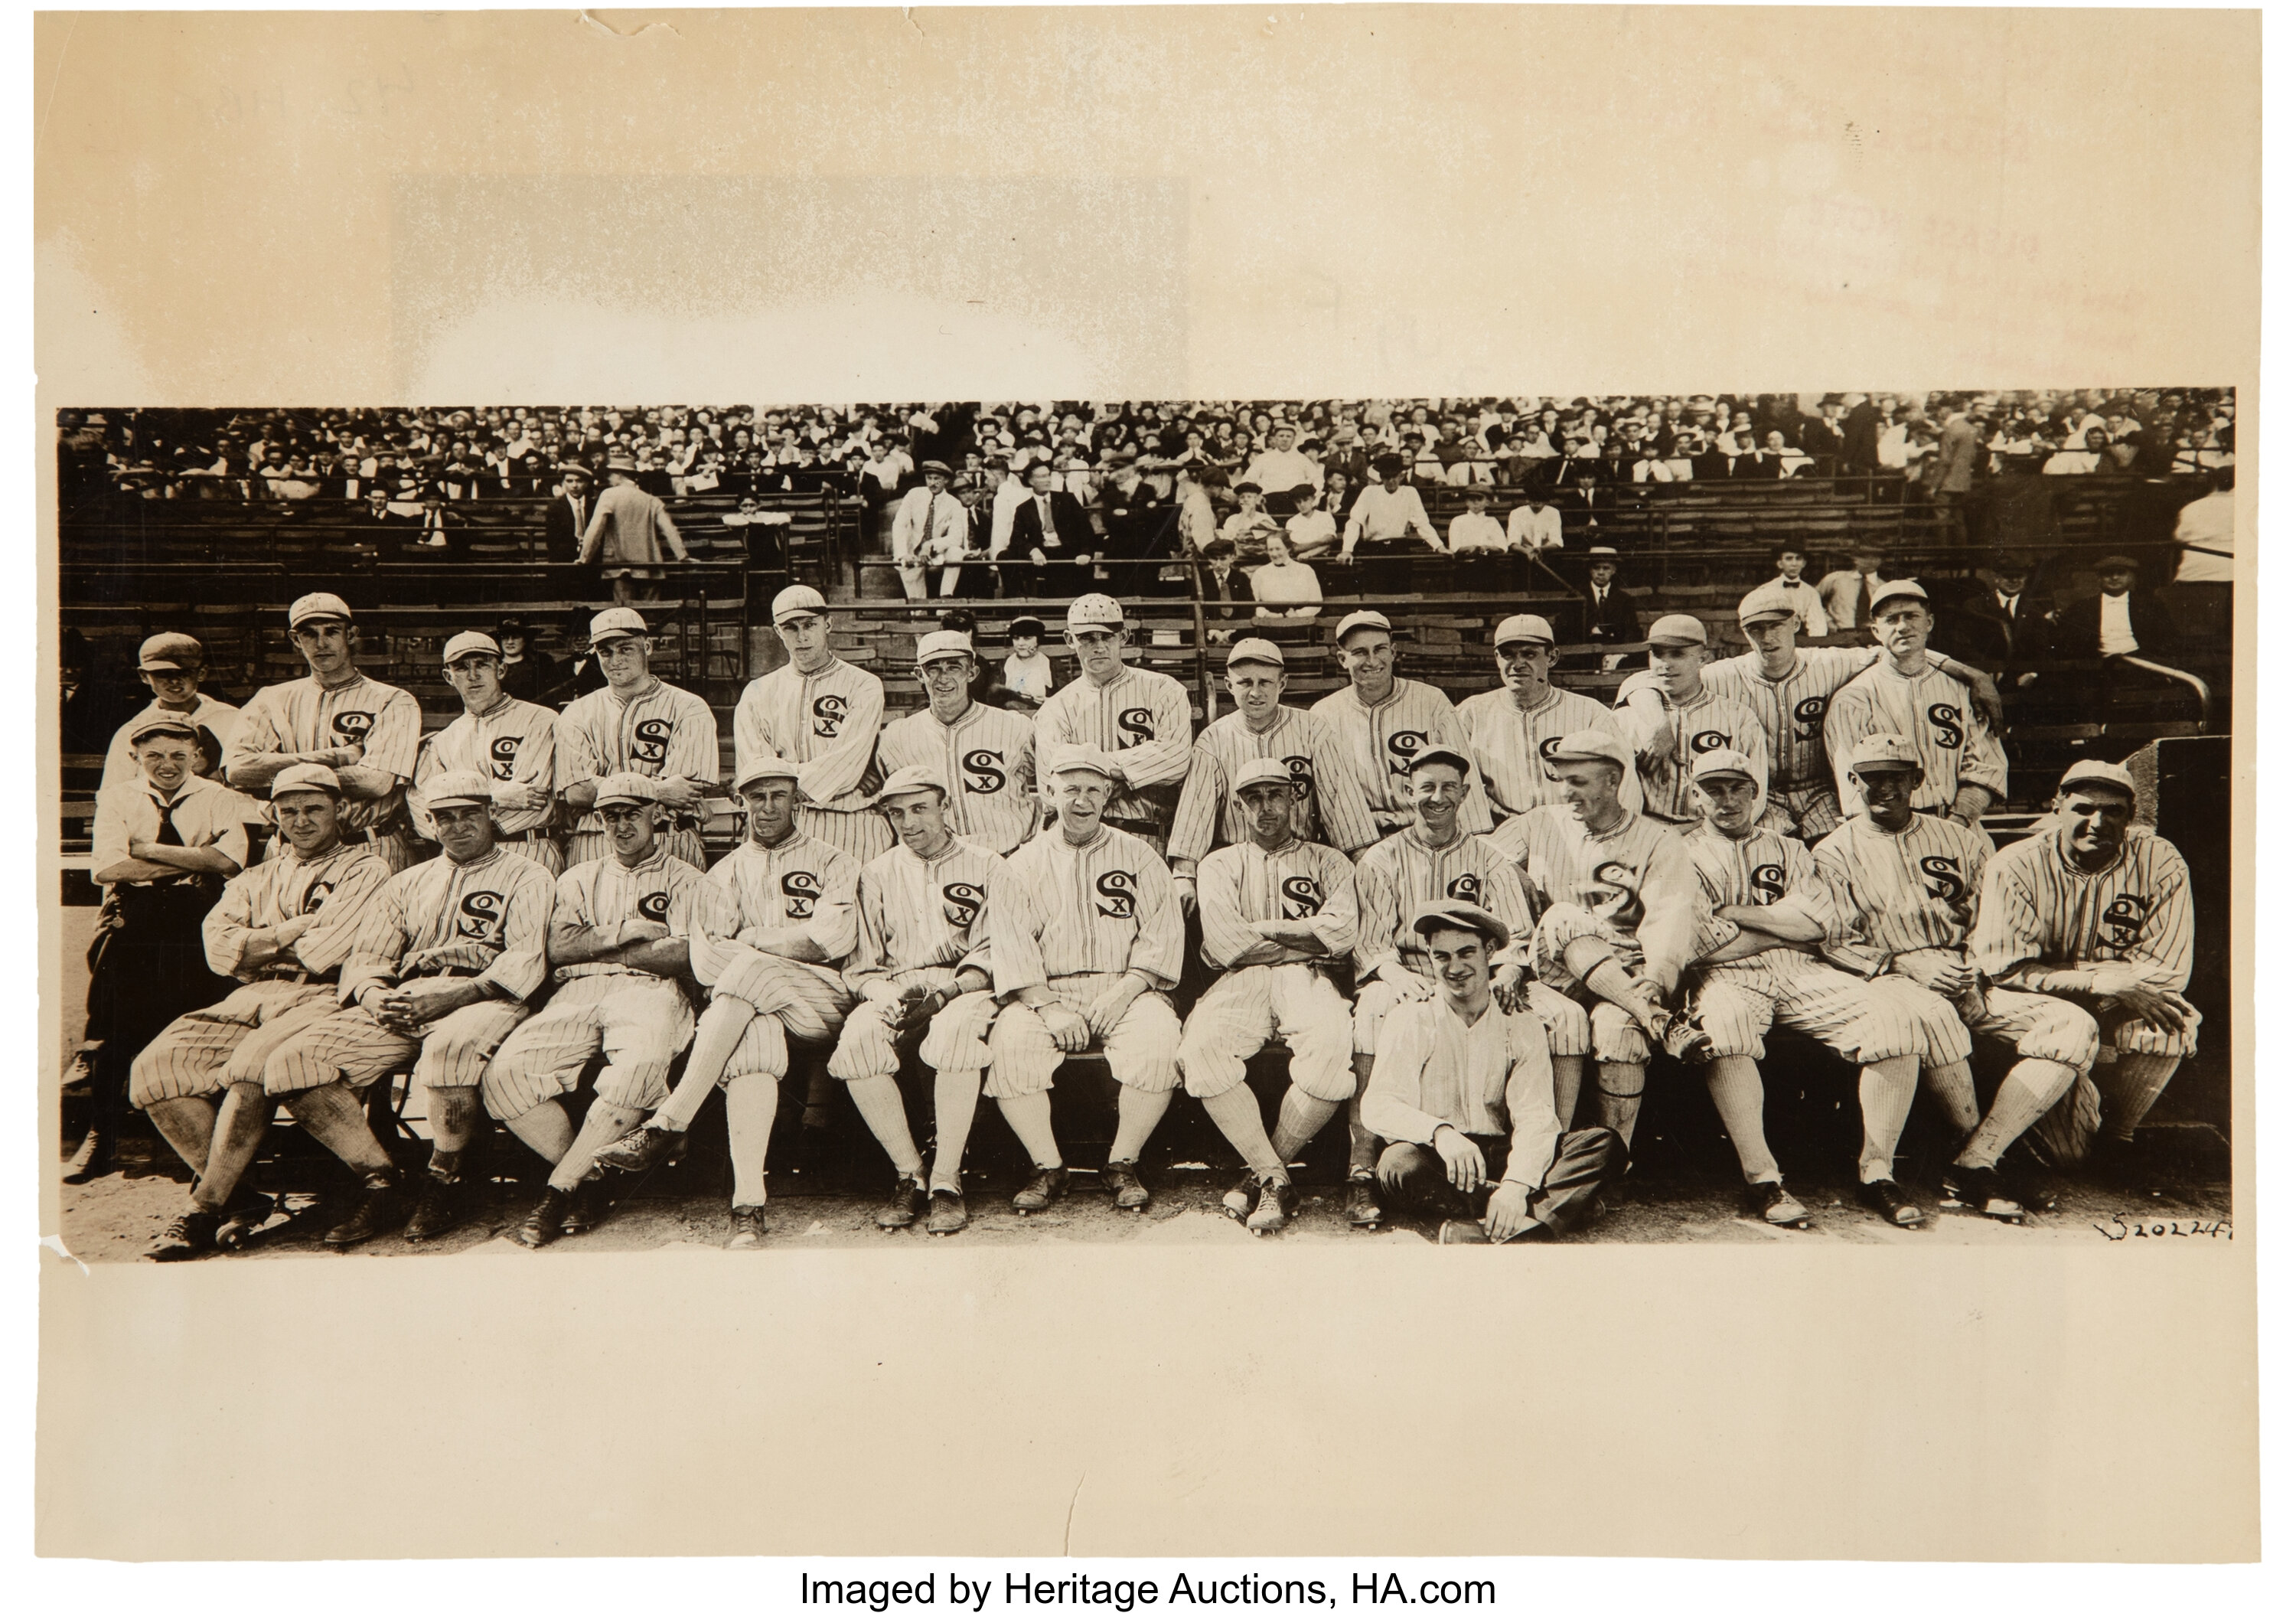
1279 915
1465 1097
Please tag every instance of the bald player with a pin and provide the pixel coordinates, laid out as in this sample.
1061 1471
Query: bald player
1135 719
636 724
1279 915
1385 721
1675 717
282 930
987 754
1905 885
1088 937
623 928
1437 860
337 718
1963 770
170 665
2098 912
1625 914
448 960
778 974
1512 731
823 713
1328 800
512 743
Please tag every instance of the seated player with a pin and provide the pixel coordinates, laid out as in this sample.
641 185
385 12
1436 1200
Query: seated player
1463 1094
622 929
788 899
1675 717
1963 768
1279 915
281 929
448 960
1087 938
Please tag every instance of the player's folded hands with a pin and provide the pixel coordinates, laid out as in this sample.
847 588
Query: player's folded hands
1069 1033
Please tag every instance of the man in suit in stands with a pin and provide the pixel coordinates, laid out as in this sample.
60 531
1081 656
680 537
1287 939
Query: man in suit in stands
1050 530
1609 615
569 516
1821 435
1708 463
1861 438
434 534
2004 627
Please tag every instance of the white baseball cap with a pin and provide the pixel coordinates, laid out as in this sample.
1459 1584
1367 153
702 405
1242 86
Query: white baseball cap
1724 761
1676 629
799 600
1523 629
909 780
764 766
1247 652
934 646
463 787
313 607
620 623
468 644
1094 609
625 788
2099 772
1883 751
1080 759
1362 618
1904 587
1262 769
306 776
1594 745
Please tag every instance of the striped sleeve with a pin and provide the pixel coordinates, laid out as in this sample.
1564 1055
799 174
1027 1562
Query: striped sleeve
834 926
524 962
868 971
2164 945
230 923
1220 901
1983 761
259 734
1167 757
1672 912
390 746
1016 926
693 743
323 948
1159 946
578 758
1849 719
752 733
382 938
1339 801
837 768
1378 915
1201 798
1334 923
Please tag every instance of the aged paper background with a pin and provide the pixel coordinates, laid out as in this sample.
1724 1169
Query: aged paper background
810 206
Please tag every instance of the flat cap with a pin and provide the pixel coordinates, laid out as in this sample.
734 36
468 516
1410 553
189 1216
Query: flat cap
466 786
173 724
1523 629
2120 563
1247 652
170 653
909 780
305 776
1726 761
1883 751
620 623
468 644
2099 772
631 789
1081 758
1428 755
1766 601
1455 915
316 607
799 600
934 467
1676 629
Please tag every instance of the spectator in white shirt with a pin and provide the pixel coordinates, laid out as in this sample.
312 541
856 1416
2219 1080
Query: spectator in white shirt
1388 512
2204 528
1314 533
1533 525
1285 590
1286 476
1248 528
1474 531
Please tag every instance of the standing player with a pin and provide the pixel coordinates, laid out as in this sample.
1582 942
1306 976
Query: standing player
622 931
1328 802
1279 916
1135 719
511 743
1512 732
2099 914
1087 938
636 724
170 665
1677 717
1962 769
1385 721
282 930
823 713
790 898
338 718
988 753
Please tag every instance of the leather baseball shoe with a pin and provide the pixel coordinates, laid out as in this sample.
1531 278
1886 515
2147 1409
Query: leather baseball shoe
1887 1200
1122 1177
188 1237
589 1205
948 1213
1769 1201
1277 1199
443 1206
95 1156
901 1209
1363 1202
380 1202
747 1229
1041 1190
545 1222
1981 1189
1237 1201
243 1217
642 1149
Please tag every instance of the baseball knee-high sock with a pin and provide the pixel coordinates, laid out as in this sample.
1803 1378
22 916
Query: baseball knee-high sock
606 1123
750 1102
1735 1085
1136 1115
1954 1090
1298 1120
1885 1097
2029 1090
1363 1147
547 1128
1618 1097
723 1024
2129 1087
334 1114
1609 980
1031 1116
820 1097
957 1094
879 1099
188 1123
1569 1073
1237 1113
454 1114
239 1125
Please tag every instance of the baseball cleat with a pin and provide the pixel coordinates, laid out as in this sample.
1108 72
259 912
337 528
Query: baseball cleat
1462 1231
1981 1189
1684 1039
381 1203
243 1218
1236 1203
544 1222
444 1206
1123 1178
1277 1199
2031 1185
748 1228
188 1237
586 1206
1041 1190
901 1209
1768 1201
1887 1200
642 1149
95 1156
948 1213
1363 1202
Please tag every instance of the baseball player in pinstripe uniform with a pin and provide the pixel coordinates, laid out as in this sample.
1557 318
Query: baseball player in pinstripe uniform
1962 768
1625 913
987 753
775 973
281 929
512 744
1905 885
1328 803
623 933
1437 860
1087 939
1279 916
1385 721
823 713
170 665
337 718
448 960
1135 719
636 724
1512 731
1675 717
1761 882
2099 913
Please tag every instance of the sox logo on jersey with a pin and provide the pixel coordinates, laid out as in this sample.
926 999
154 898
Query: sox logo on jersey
1770 882
984 773
1611 893
1303 776
1945 879
1947 722
1303 898
505 755
651 742
1134 726
316 896
829 714
1809 717
1467 887
1401 747
2124 918
654 905
961 904
1707 739
1118 897
481 916
353 726
799 890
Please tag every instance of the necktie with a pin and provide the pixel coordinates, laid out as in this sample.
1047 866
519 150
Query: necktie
1864 613
168 834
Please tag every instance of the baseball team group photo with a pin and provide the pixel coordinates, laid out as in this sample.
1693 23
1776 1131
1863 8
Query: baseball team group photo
1707 817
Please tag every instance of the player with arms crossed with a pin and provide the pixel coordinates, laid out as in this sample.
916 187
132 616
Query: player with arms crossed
1135 719
512 743
987 754
1674 716
1512 732
823 713
1963 768
1385 721
636 724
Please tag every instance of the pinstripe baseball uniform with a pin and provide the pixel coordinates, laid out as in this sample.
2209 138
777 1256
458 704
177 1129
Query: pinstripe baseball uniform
383 724
204 811
1791 711
1144 716
641 1020
203 1052
989 756
207 714
486 920
1382 739
1329 804
826 723
661 733
1071 918
920 922
515 744
2041 918
1287 993
802 890
1933 712
1509 745
1707 722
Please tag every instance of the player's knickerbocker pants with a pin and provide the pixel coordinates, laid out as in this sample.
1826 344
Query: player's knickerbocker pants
792 999
228 1043
1617 1038
641 1021
1568 1033
1411 1177
588 846
957 1038
861 836
2037 1025
1864 1022
1142 1052
1242 1010
355 1049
